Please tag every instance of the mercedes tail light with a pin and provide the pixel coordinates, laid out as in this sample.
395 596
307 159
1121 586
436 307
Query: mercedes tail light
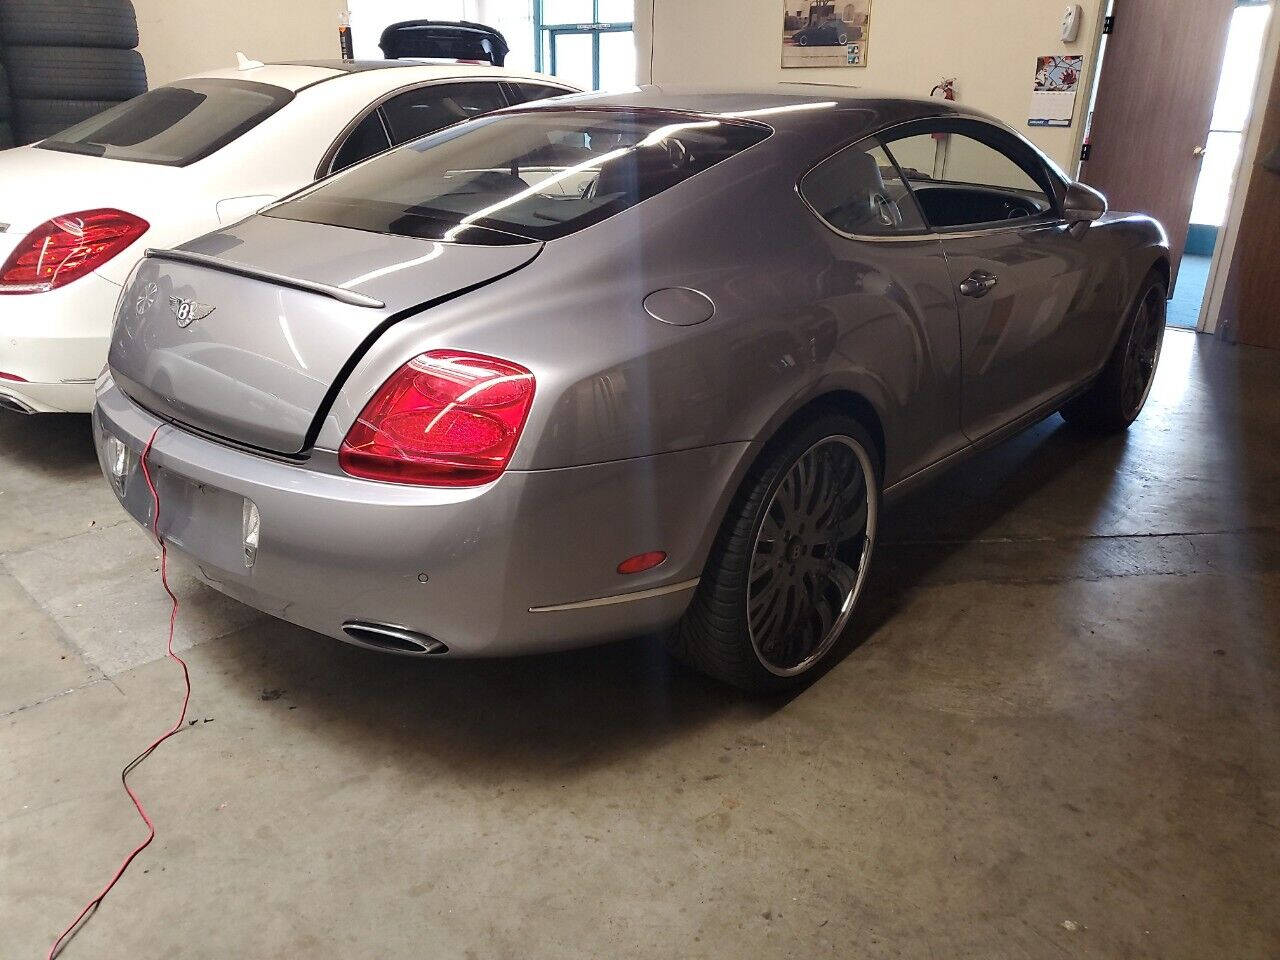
444 419
68 247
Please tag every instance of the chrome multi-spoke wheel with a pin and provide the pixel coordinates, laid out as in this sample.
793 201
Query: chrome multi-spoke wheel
810 555
789 560
1143 353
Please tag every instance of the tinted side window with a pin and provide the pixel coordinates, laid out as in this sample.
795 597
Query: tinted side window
859 191
365 140
419 112
525 92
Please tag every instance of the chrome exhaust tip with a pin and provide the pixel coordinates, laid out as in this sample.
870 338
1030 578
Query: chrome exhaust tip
392 639
16 406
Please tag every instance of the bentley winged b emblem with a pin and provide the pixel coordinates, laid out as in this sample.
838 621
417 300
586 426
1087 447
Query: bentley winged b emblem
189 311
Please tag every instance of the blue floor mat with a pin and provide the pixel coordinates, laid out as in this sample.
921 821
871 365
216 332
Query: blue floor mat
1184 308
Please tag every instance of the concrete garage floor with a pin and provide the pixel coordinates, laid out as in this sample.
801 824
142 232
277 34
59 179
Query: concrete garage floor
1057 736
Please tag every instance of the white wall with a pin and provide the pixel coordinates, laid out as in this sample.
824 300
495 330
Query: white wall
182 37
990 47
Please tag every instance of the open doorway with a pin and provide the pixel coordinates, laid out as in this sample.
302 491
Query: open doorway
1173 96
1221 157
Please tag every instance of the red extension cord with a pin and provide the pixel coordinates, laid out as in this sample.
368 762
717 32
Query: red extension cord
93 904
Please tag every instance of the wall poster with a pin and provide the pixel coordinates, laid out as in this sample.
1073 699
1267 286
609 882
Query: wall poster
1053 98
825 34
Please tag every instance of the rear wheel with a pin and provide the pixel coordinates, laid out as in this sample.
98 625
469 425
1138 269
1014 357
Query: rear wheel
789 562
1121 390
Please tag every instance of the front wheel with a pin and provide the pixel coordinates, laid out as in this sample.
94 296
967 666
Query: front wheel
802 41
789 561
1121 390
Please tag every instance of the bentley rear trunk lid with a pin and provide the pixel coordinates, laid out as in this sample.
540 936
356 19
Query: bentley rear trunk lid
243 333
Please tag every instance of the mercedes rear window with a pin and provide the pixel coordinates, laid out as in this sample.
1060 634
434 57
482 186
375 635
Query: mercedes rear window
521 176
174 125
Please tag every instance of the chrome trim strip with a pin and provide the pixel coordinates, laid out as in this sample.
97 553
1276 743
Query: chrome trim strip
619 597
254 273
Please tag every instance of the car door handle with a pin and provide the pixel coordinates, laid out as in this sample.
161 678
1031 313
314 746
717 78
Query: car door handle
978 284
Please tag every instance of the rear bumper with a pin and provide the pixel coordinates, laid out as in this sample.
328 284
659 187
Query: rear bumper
57 343
336 549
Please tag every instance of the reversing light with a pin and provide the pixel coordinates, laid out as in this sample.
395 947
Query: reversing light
67 248
118 462
445 419
642 562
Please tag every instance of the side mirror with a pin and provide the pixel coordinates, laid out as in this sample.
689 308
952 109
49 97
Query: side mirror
1081 206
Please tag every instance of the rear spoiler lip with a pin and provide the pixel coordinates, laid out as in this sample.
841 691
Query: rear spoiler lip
340 294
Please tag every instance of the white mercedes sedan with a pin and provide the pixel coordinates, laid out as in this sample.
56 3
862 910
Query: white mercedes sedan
77 211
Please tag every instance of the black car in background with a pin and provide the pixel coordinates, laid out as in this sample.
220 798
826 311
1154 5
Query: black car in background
827 33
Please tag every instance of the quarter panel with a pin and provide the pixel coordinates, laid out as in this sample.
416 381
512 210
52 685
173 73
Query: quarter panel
798 310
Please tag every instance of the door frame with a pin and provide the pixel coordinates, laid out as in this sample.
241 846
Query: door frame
1224 250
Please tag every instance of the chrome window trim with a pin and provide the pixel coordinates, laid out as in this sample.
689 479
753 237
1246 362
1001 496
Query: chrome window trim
1002 226
619 597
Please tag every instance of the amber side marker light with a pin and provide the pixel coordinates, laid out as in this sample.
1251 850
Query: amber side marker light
642 562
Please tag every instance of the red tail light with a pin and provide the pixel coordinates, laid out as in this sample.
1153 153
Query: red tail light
445 419
66 248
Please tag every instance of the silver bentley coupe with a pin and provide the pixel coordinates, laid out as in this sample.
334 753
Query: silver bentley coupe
612 365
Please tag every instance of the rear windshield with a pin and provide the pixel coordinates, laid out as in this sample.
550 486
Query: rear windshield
174 125
516 177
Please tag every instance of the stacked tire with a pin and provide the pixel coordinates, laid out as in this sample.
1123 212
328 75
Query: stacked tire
64 61
6 111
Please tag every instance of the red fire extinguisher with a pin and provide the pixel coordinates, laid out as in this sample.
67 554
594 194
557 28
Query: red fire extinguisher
946 90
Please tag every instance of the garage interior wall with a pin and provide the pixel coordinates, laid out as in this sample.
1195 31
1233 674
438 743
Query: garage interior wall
179 39
990 49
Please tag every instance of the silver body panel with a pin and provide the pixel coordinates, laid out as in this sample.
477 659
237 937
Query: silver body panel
641 430
258 367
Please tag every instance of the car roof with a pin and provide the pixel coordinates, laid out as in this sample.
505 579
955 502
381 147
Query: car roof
842 110
300 74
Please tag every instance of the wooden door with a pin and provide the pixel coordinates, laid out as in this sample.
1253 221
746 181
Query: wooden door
1155 102
1251 305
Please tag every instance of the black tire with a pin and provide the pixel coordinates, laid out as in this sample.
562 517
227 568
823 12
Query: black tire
6 135
74 73
802 41
6 103
39 119
1118 395
715 634
69 23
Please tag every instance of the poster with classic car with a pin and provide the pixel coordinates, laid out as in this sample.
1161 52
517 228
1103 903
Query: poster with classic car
818 33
